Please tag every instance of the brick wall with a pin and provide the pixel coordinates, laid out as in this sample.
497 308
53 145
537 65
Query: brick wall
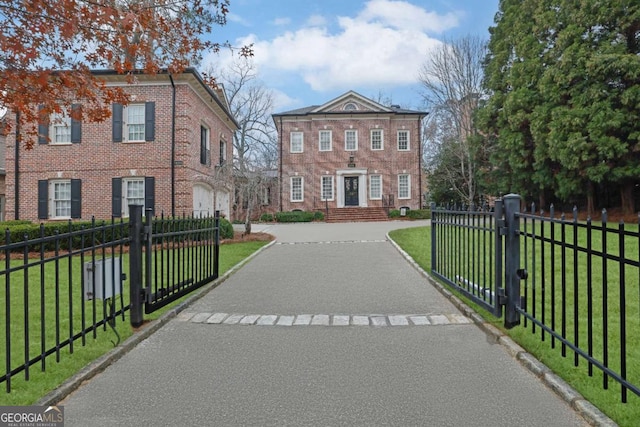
312 163
96 159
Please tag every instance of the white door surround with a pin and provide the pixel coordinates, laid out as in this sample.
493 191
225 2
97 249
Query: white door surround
362 186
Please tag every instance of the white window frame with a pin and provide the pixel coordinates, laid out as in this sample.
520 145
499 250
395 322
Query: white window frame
293 148
408 147
374 131
324 196
400 186
60 121
330 141
125 194
355 139
129 122
372 195
57 200
295 178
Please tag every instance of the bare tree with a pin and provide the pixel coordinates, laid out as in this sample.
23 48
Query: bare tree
255 142
451 80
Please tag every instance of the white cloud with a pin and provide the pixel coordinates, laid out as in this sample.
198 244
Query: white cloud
232 17
316 21
281 21
384 45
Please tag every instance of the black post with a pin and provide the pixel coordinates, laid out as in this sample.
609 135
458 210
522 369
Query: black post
135 264
216 255
512 259
433 236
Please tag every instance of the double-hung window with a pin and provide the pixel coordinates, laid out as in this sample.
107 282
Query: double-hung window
376 139
375 187
297 189
205 146
325 140
59 199
60 128
297 142
403 140
351 140
132 191
327 188
404 186
133 123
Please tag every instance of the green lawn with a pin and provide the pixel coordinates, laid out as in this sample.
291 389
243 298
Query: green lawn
40 383
417 243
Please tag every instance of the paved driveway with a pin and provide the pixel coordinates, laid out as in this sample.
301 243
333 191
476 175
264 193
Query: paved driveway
328 327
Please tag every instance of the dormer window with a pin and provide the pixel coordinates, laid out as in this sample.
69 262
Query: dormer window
350 106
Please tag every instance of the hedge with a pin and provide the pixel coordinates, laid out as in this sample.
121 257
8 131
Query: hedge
299 216
19 231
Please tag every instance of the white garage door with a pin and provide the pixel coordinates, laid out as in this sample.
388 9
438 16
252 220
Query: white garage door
223 203
202 200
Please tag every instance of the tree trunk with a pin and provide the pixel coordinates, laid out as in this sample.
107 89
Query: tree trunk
247 220
590 206
626 198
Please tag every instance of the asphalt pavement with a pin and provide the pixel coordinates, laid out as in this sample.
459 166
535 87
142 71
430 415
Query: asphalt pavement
328 326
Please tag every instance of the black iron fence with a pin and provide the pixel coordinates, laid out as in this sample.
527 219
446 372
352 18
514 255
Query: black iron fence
57 292
575 283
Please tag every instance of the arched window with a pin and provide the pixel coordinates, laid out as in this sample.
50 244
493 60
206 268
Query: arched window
350 106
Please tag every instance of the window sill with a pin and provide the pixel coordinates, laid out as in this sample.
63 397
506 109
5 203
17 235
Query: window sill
60 143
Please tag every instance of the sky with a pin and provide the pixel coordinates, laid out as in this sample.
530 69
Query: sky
309 52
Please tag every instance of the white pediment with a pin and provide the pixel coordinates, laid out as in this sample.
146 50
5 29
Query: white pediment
351 102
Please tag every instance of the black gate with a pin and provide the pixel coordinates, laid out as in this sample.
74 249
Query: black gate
583 284
180 255
467 252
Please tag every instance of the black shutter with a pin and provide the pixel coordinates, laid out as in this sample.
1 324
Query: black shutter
43 126
149 121
150 194
116 197
76 124
116 129
43 199
203 145
76 198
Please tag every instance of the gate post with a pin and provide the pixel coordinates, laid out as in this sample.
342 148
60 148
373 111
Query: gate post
512 259
216 255
434 220
135 264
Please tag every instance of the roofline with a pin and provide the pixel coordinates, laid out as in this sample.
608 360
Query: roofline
189 70
344 113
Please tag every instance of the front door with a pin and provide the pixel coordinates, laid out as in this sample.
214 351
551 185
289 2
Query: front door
351 191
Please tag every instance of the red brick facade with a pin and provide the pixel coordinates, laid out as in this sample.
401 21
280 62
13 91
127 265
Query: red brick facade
370 153
180 182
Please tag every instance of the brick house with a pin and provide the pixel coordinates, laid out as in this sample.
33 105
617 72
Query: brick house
170 149
350 156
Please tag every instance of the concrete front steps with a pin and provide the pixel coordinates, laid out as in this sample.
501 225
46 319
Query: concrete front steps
356 214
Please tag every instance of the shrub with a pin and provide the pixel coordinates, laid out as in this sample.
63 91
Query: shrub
394 213
318 216
226 229
295 216
266 217
419 214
